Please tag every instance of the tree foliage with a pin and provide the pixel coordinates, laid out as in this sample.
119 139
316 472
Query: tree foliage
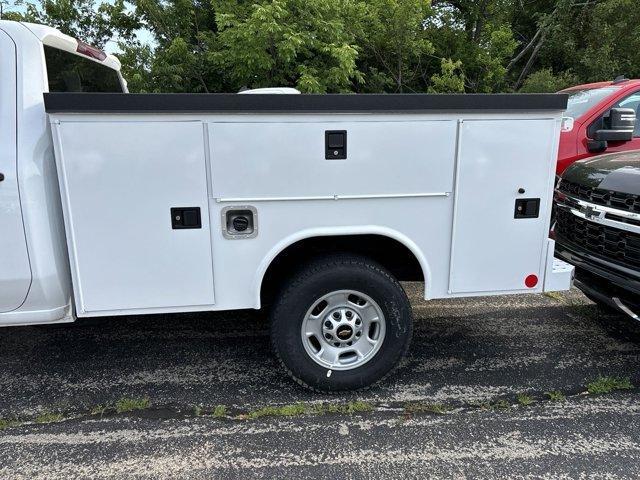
97 24
304 43
355 45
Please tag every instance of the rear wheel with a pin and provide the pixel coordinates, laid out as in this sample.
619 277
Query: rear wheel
342 322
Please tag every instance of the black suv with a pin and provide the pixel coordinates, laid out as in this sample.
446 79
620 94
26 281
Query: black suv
597 228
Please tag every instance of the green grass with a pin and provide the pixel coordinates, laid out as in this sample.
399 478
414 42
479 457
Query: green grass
6 423
604 384
524 399
556 396
500 405
557 296
220 411
48 417
127 404
491 405
297 409
99 410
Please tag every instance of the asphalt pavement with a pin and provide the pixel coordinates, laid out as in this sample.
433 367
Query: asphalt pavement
492 388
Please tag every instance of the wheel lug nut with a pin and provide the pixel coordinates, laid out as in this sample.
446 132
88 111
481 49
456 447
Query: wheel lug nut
328 324
358 321
349 314
336 315
327 336
357 334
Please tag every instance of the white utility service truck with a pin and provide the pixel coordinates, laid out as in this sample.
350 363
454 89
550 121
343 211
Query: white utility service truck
314 206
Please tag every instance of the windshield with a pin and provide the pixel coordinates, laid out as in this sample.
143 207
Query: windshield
582 100
68 72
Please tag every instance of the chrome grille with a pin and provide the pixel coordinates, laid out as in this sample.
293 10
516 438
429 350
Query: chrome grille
599 196
612 244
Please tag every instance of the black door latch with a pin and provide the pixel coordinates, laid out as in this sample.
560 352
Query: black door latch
335 144
185 217
527 208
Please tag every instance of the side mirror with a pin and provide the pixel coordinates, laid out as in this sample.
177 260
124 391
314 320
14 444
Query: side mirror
618 126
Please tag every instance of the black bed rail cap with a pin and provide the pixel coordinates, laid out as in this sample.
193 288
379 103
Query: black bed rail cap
283 103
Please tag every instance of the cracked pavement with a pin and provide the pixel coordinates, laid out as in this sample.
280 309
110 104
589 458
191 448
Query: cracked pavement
465 352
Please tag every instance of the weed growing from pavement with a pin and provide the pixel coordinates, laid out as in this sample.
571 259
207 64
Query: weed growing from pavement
126 404
554 295
48 417
99 410
500 405
604 384
601 385
556 396
6 423
297 409
220 411
345 408
524 399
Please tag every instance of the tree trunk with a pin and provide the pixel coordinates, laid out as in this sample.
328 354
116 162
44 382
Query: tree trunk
527 67
517 58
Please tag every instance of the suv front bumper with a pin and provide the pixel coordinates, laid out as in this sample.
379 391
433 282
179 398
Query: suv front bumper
603 281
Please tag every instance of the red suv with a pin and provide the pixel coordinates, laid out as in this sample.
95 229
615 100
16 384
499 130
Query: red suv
600 118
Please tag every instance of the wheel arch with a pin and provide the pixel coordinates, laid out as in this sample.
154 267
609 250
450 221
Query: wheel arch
348 236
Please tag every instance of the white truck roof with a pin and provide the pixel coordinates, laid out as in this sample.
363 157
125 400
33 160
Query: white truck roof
54 38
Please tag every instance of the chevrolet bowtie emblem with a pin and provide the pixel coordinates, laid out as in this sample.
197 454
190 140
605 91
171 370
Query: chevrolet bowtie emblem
588 212
591 213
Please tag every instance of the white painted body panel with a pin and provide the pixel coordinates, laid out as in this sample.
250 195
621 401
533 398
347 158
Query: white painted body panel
385 157
558 273
15 272
124 254
397 181
491 249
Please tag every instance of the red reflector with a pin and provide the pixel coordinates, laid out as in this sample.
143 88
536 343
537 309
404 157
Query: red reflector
89 51
531 281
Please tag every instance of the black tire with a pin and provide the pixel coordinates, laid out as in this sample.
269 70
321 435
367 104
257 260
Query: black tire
322 276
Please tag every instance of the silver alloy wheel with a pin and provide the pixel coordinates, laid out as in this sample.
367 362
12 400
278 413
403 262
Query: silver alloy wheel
343 330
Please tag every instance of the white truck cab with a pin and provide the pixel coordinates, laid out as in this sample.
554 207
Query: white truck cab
34 272
313 205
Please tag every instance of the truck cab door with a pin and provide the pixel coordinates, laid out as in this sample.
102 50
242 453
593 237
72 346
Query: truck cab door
15 271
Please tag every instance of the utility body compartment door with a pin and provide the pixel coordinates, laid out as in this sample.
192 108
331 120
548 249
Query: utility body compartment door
120 181
15 271
502 165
